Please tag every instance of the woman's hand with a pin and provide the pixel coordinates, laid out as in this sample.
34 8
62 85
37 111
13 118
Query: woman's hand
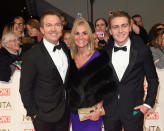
95 115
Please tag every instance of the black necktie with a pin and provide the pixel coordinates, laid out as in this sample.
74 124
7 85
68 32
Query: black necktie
124 48
57 47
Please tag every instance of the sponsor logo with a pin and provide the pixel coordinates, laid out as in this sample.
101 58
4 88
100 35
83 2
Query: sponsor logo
26 118
5 105
152 128
5 119
152 116
4 91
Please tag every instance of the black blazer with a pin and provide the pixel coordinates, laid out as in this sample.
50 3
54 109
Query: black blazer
130 88
41 87
6 60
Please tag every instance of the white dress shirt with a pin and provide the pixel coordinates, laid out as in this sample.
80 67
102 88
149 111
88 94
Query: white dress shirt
120 59
59 58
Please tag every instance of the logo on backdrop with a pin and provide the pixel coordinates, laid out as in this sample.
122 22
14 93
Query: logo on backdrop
26 119
4 91
152 128
4 130
5 119
152 116
5 105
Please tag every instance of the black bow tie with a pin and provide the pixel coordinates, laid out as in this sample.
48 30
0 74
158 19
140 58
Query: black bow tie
124 48
57 47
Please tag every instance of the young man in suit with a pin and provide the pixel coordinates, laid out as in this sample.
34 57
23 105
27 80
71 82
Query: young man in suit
44 76
131 61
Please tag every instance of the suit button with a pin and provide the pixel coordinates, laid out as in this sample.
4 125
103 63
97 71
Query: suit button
118 96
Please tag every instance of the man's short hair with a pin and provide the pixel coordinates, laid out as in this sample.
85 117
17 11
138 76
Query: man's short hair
118 13
49 12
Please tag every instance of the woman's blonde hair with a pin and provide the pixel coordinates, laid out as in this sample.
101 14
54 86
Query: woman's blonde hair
73 47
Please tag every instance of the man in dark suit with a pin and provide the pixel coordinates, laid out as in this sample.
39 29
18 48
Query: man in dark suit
131 61
44 76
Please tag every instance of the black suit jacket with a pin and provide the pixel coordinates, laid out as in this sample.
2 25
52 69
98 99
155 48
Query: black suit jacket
41 87
130 88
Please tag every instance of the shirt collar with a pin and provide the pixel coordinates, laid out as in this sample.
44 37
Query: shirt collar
49 45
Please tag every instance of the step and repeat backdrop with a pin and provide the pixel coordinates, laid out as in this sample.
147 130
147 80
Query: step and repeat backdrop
13 115
155 118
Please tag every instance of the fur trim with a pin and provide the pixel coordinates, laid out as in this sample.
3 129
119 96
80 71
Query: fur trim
90 84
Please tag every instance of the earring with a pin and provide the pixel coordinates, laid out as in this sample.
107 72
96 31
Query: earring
89 46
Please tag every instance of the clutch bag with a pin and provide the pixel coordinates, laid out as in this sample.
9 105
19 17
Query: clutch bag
83 111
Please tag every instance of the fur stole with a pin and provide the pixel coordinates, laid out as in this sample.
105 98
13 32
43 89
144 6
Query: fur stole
90 84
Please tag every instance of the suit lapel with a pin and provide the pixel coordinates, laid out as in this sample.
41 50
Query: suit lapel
109 51
49 62
47 56
132 59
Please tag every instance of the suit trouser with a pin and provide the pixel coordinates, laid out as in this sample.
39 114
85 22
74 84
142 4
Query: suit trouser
61 125
134 124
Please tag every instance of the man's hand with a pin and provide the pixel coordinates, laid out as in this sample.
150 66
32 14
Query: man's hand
142 108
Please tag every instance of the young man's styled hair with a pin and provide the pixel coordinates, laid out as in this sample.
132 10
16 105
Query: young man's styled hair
118 13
